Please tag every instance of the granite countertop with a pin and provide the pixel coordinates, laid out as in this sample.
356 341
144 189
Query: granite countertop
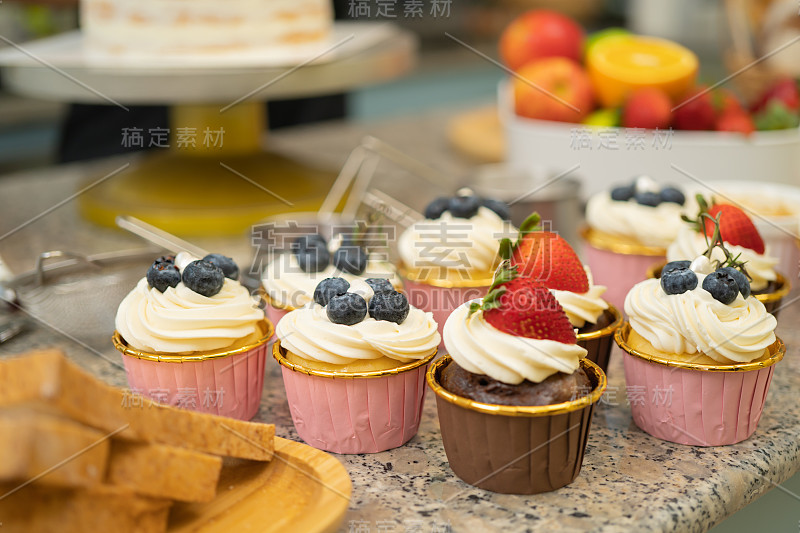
629 481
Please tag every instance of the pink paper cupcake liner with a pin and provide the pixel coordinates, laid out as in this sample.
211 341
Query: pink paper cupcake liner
440 301
222 383
702 406
619 272
274 314
357 412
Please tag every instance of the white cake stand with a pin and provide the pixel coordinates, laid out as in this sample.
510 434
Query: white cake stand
208 189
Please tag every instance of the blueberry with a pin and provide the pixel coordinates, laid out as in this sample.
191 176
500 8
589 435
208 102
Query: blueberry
162 274
389 306
166 259
435 209
347 309
314 260
672 195
464 206
203 277
678 281
741 280
623 193
379 285
228 266
305 242
350 259
722 286
648 198
328 288
674 265
500 208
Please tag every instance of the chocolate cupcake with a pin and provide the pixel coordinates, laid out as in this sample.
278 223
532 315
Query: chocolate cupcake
515 396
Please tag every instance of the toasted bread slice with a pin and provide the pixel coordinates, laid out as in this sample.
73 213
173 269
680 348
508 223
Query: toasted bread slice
52 449
38 509
47 377
164 471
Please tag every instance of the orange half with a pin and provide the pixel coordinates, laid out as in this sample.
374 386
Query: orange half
619 65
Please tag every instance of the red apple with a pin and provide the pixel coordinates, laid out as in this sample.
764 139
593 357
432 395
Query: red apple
649 108
555 88
538 34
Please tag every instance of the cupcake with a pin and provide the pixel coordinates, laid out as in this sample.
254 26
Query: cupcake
702 349
628 229
515 394
549 259
290 278
192 336
742 239
450 256
353 364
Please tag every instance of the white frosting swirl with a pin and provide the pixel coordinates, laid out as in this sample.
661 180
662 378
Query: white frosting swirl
181 321
583 307
689 244
650 226
480 348
695 322
288 286
462 244
309 333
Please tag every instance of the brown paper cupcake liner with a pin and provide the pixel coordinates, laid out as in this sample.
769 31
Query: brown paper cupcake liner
515 449
598 343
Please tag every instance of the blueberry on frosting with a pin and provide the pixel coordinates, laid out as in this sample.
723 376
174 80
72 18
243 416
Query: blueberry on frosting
228 266
390 306
347 309
203 277
328 288
163 274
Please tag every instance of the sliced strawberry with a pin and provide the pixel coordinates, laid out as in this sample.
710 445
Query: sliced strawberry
547 258
525 308
735 227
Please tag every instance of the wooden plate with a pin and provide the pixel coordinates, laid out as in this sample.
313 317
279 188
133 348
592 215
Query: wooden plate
302 489
478 134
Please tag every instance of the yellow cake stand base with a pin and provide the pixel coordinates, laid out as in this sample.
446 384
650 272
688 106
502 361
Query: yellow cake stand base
209 184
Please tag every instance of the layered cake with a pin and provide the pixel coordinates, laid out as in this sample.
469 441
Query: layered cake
194 312
353 364
178 27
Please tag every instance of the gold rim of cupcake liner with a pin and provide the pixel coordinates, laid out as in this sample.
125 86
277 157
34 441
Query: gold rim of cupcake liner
618 245
122 346
608 330
776 352
518 410
270 302
784 285
423 276
278 354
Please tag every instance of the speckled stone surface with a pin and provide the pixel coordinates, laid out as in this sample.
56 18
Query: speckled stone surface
629 481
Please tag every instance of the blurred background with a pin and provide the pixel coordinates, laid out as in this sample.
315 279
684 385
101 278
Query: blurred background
447 78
